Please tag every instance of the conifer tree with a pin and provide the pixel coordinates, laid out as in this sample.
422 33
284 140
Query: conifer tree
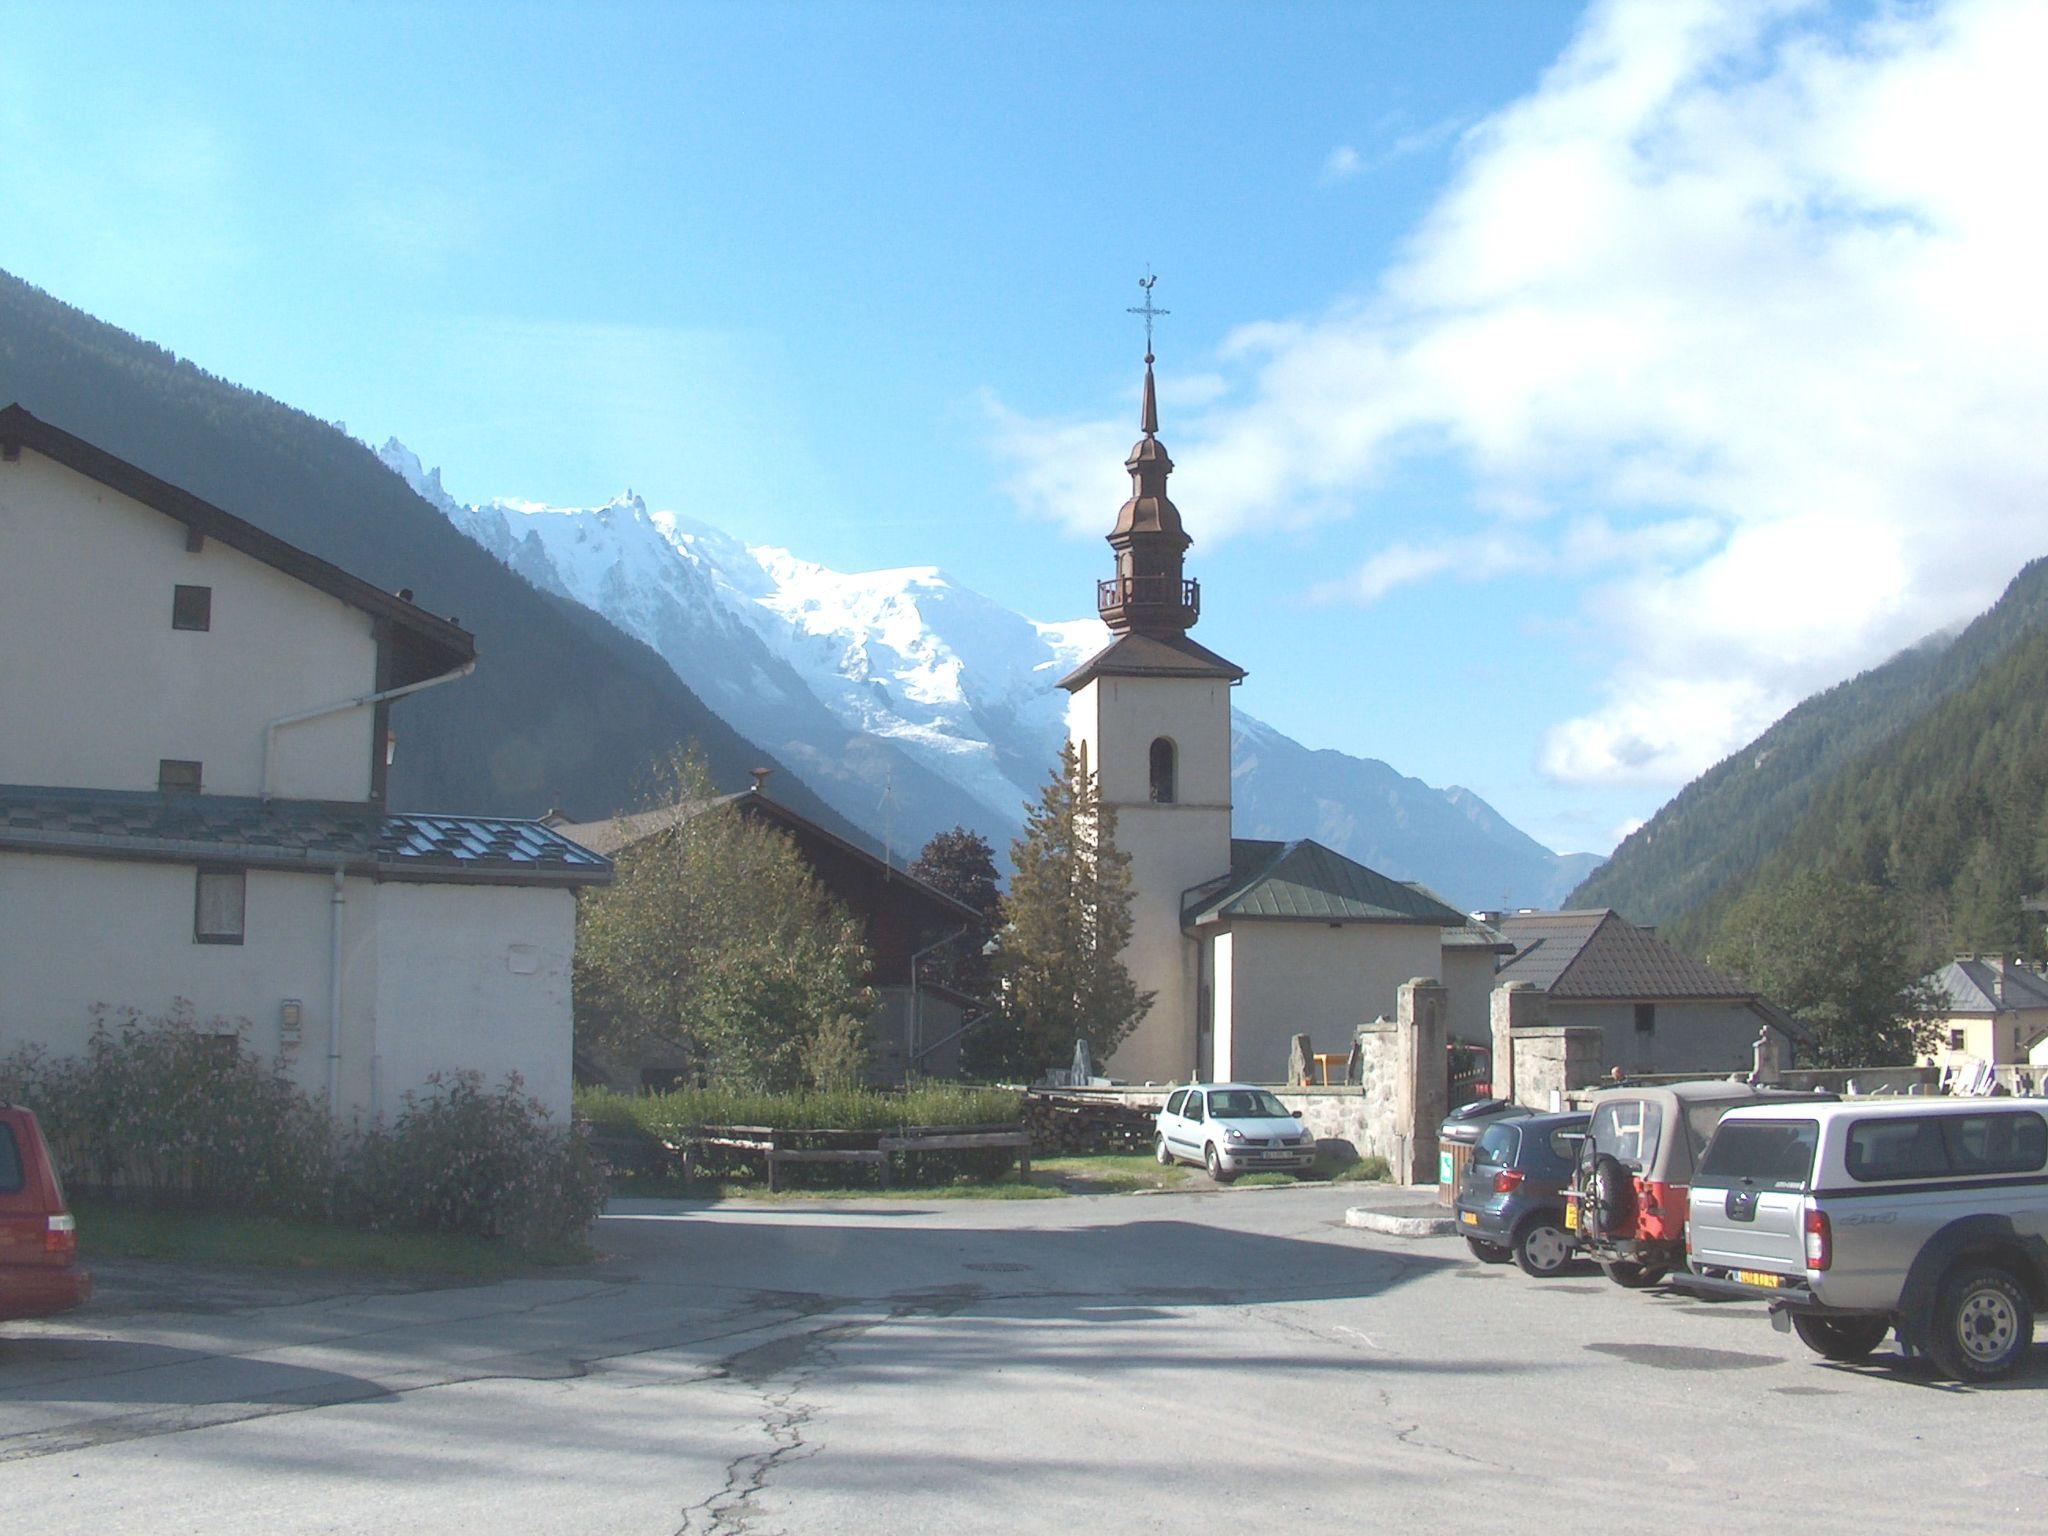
963 865
1060 955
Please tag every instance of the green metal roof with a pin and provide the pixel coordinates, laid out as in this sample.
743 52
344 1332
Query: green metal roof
1306 882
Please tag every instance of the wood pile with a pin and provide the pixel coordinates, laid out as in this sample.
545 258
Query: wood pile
1082 1122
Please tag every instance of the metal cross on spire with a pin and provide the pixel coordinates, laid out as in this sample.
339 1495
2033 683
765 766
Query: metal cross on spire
1150 311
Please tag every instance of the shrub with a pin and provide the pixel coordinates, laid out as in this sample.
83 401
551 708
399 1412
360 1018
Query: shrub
463 1159
161 1111
665 1115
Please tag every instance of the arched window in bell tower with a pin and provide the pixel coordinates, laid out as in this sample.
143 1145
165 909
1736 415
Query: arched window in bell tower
1162 771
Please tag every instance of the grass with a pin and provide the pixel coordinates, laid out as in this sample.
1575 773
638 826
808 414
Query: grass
273 1242
1108 1173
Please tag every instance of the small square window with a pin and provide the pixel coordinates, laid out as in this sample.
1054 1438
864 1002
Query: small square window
177 776
1646 1018
219 906
192 608
1955 1039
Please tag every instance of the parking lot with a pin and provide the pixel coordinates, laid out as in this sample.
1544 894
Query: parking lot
1116 1363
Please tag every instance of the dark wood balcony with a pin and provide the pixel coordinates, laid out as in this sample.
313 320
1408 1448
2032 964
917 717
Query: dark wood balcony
1126 600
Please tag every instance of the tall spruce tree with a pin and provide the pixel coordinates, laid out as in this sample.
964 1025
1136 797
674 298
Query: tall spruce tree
1060 955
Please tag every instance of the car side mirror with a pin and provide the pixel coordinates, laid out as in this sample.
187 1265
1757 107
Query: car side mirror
1297 1114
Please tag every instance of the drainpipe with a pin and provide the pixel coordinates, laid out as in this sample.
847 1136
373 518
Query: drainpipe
358 702
334 914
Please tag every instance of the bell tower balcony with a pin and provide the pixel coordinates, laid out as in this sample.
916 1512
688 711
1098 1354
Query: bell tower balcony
1149 603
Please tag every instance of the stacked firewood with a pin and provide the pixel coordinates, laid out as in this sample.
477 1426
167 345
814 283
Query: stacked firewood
1074 1122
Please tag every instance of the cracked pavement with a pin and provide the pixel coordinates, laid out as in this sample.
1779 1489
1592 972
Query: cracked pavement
1098 1364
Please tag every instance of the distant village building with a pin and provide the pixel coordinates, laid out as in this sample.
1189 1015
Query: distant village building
915 1030
192 802
1991 1010
1657 1008
1244 943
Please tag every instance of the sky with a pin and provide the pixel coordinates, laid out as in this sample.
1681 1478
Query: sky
1558 393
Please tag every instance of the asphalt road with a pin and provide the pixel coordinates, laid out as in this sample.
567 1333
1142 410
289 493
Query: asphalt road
1209 1362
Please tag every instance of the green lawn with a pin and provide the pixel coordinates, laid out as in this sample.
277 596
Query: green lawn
211 1237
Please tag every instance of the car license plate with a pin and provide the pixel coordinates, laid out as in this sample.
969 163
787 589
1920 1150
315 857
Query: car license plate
1571 1215
1468 1218
1760 1277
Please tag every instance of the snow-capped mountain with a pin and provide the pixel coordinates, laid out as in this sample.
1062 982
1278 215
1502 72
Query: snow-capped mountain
911 704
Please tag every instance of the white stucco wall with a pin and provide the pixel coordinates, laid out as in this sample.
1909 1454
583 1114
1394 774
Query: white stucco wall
1708 1037
474 978
1290 978
1172 847
1467 975
428 976
96 686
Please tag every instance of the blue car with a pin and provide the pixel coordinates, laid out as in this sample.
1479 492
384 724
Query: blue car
1510 1202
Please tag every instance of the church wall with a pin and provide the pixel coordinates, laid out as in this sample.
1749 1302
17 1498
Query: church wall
1172 847
1290 978
1222 971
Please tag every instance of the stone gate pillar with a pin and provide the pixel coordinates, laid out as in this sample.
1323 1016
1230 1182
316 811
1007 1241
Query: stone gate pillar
1425 1078
1515 1005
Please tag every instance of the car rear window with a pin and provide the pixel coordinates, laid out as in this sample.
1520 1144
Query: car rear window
1940 1146
1498 1144
1628 1130
11 1177
1768 1154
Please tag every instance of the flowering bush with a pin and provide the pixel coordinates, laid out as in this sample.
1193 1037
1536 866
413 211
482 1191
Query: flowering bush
167 1112
462 1159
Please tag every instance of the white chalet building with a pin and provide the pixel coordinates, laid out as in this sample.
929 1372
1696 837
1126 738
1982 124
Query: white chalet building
193 746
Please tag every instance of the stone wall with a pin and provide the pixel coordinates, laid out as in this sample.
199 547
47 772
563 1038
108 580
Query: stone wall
1555 1059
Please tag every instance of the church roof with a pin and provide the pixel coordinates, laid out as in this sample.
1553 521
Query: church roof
1304 881
1136 655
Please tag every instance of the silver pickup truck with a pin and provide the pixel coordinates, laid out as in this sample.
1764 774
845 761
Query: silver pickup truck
1928 1216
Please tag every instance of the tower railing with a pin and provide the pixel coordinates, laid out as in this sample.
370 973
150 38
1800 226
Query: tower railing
1124 593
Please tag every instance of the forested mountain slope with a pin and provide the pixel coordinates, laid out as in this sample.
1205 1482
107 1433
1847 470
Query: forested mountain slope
1684 867
563 710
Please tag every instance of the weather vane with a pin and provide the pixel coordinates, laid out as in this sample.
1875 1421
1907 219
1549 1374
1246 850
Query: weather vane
1150 311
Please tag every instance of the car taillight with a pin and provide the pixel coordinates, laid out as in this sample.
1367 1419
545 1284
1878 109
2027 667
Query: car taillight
1507 1181
61 1236
1820 1240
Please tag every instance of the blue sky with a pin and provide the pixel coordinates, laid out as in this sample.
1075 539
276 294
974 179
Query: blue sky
1558 393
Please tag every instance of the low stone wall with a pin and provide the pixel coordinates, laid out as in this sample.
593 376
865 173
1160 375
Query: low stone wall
1554 1059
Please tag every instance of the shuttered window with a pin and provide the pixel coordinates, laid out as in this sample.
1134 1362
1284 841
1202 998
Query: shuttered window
220 906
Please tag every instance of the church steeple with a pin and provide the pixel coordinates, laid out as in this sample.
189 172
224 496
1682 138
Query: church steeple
1149 595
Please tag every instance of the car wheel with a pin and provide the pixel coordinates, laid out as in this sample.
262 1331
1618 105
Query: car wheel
1630 1275
1983 1325
1159 1151
1487 1253
1542 1247
1215 1165
1841 1338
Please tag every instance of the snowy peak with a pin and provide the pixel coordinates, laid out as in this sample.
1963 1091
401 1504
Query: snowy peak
911 703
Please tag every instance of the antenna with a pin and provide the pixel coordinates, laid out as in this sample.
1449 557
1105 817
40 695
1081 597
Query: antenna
1150 311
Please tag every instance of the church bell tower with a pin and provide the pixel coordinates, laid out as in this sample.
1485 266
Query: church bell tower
1150 713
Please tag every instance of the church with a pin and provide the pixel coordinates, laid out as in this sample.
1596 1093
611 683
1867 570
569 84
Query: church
1243 943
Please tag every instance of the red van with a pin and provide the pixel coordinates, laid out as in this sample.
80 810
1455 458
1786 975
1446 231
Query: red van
39 1269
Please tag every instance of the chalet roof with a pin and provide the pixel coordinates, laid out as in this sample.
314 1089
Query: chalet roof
1136 655
426 646
621 832
293 834
1473 935
1988 985
1598 955
1304 881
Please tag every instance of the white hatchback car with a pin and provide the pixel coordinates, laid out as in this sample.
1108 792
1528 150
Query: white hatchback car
1231 1128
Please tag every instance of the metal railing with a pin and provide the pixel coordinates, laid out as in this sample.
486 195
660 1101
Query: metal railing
1121 592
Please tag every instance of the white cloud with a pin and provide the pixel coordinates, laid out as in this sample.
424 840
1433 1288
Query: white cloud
1343 164
1734 323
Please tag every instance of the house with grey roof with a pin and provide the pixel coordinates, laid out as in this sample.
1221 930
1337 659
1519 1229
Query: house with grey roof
1299 939
1990 1009
193 803
1658 1009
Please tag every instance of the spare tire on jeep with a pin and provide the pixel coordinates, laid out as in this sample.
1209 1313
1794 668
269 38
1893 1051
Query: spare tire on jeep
1609 1206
